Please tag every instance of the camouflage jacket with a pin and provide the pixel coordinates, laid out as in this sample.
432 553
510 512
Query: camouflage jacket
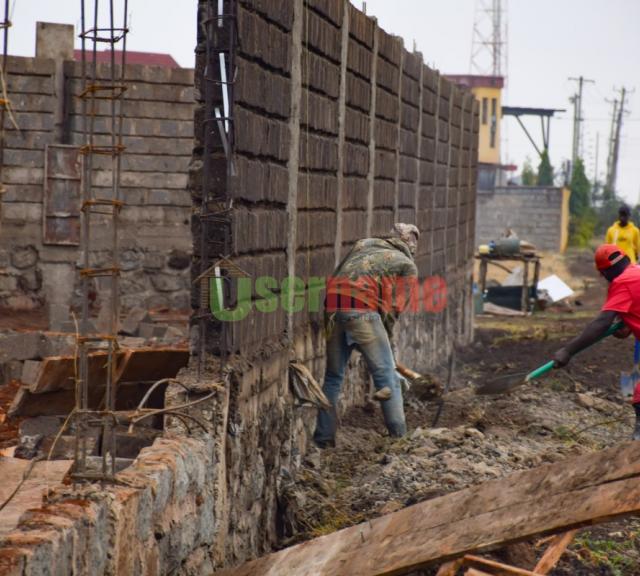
364 277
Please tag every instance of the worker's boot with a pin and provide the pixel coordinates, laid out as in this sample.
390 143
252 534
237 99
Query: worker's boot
636 431
383 394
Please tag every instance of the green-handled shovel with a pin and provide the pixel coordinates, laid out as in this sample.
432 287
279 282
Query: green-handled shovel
503 384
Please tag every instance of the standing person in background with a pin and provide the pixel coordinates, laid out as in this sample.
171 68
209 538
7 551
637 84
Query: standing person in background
625 235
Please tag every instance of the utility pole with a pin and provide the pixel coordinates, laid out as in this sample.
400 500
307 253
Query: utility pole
576 99
614 142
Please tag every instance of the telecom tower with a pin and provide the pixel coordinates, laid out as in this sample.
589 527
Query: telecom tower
489 54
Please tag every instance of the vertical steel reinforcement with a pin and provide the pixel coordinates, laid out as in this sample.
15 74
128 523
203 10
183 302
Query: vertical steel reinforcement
219 25
5 104
103 89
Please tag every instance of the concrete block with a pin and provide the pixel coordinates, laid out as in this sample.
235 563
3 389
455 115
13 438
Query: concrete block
359 60
386 134
410 91
385 164
322 35
361 26
279 11
131 324
356 160
390 47
387 106
320 73
30 372
10 370
356 126
387 76
256 33
54 41
148 330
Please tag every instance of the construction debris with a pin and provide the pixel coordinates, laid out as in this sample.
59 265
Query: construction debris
599 486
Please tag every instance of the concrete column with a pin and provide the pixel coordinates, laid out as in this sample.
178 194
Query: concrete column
432 231
469 248
461 264
451 279
416 199
396 196
460 148
55 42
294 150
371 176
342 112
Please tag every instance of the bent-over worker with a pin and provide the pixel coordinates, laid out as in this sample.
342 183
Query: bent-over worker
623 301
359 314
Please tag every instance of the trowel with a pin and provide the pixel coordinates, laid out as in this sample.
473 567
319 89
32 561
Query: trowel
628 381
508 382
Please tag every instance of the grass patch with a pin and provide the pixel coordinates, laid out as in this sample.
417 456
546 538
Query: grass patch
620 557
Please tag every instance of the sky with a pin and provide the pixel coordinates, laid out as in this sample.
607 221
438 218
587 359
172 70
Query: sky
549 41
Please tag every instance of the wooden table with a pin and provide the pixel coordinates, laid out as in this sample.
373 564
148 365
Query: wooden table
526 259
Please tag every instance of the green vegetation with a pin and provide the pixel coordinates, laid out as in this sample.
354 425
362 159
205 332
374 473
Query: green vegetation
618 557
529 176
545 170
584 220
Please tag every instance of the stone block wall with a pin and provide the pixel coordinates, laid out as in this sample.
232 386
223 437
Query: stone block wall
538 215
154 234
338 133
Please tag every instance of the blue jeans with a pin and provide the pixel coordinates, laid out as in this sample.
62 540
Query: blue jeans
365 331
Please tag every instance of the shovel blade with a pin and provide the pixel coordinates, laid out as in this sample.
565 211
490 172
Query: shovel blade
502 385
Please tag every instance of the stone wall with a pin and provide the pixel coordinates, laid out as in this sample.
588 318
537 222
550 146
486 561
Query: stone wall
339 132
154 235
538 215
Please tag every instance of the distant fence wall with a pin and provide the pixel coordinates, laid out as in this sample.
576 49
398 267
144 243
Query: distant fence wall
154 237
536 214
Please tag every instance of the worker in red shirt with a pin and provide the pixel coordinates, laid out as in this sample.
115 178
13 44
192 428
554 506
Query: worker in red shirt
623 301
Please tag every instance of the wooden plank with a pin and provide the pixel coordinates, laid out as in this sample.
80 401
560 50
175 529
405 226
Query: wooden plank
450 568
565 495
57 374
132 365
495 568
554 552
43 475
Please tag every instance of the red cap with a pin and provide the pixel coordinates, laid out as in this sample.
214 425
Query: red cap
607 255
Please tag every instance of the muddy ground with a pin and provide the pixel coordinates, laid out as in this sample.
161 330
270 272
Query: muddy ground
570 412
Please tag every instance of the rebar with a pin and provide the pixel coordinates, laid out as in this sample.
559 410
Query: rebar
4 103
219 27
95 89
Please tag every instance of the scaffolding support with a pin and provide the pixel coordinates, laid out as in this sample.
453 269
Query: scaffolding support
98 89
219 28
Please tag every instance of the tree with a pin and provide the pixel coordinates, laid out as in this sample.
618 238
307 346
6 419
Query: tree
545 170
528 174
583 218
580 190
